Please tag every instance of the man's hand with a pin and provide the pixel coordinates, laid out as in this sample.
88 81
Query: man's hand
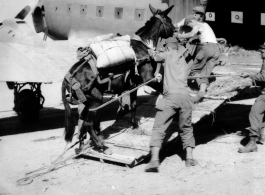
158 77
177 35
150 44
176 27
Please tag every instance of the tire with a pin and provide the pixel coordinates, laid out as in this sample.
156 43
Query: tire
28 106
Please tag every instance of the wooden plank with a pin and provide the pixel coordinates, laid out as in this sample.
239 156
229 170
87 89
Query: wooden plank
129 160
130 146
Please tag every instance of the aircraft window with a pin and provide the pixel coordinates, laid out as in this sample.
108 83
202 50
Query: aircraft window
56 8
69 8
118 12
83 9
139 15
100 10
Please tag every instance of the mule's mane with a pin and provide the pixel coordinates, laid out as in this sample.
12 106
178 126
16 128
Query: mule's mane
147 25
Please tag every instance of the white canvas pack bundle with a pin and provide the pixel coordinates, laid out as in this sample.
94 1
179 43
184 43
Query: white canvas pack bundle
100 38
113 52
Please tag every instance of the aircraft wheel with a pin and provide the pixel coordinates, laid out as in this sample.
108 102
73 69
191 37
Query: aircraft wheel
28 106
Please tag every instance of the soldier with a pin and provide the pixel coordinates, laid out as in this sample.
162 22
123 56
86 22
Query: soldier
256 130
199 14
208 52
176 99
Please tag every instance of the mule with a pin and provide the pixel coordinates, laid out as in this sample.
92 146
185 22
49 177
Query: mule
159 26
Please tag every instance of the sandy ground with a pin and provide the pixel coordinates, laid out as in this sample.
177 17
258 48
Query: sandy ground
28 147
221 170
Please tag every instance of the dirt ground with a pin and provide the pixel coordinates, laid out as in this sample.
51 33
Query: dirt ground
221 170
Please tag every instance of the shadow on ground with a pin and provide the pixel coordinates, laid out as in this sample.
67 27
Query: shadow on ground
228 119
52 118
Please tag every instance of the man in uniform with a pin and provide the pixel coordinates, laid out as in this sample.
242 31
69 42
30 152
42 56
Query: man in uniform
256 130
176 99
199 14
208 53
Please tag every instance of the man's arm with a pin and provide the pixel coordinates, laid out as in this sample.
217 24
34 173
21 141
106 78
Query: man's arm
191 34
179 24
261 75
156 55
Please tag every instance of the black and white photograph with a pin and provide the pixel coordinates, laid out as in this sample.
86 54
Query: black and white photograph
132 97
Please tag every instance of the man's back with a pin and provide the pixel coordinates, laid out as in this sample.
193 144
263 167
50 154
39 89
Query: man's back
175 72
206 33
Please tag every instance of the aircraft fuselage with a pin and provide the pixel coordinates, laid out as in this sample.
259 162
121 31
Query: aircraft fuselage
74 19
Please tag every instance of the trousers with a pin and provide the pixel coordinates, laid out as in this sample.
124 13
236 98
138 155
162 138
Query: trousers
174 103
205 61
256 116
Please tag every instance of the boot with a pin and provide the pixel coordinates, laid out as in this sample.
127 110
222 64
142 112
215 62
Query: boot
189 158
250 147
152 166
261 138
191 162
154 162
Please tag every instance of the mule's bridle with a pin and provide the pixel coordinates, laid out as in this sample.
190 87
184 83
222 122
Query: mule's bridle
163 22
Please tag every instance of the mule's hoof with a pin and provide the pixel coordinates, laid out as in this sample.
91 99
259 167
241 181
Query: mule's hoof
107 151
134 126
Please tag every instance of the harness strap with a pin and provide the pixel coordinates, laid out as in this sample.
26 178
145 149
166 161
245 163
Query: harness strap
108 79
162 20
89 85
75 85
92 64
81 96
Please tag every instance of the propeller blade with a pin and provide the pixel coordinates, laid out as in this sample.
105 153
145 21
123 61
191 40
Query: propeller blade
23 13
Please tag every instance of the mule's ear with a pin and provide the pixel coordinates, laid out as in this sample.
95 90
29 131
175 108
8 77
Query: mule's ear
153 10
166 12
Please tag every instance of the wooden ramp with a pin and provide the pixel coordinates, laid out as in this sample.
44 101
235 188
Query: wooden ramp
131 146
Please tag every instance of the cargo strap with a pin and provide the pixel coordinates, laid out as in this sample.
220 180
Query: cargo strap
108 79
75 85
111 76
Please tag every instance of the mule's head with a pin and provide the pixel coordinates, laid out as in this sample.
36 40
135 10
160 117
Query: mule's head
159 25
166 28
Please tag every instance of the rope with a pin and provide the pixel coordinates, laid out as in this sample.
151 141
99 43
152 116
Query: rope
54 166
213 76
114 99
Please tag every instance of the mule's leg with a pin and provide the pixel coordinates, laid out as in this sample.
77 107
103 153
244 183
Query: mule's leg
89 125
82 113
129 105
133 110
97 123
82 135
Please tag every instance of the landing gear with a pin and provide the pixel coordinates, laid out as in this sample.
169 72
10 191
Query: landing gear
28 102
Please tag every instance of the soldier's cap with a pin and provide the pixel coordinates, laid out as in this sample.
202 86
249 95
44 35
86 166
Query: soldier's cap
199 9
188 19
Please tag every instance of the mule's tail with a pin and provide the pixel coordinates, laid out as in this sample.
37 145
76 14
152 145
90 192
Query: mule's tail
69 119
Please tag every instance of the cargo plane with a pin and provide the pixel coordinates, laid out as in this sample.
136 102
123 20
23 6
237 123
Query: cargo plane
26 59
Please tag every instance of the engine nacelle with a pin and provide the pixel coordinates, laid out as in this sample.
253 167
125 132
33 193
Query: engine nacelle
37 16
